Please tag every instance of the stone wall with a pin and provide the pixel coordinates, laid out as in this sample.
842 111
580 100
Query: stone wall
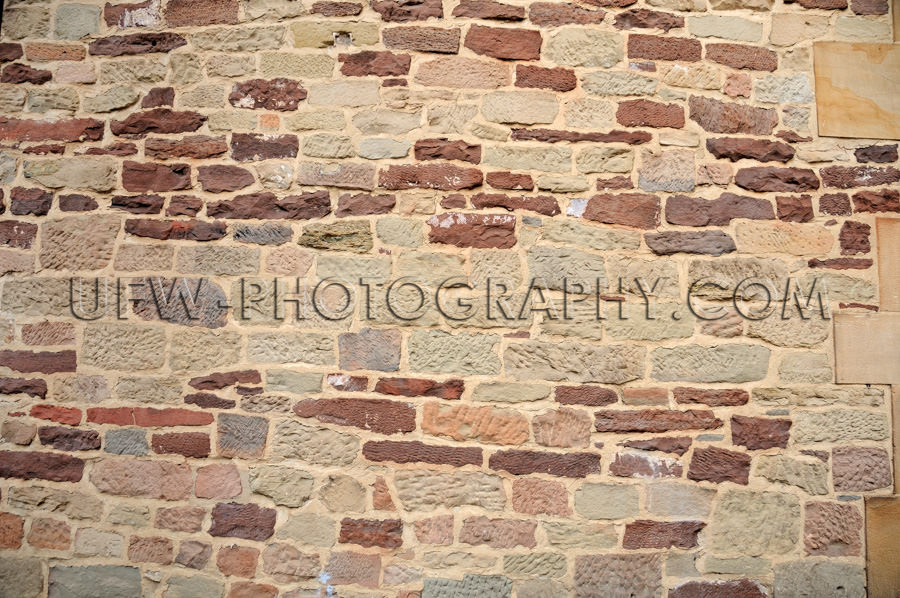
189 423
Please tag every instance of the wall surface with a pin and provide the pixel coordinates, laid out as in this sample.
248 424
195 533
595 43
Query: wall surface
179 177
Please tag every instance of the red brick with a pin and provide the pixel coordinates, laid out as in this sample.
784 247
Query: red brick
400 12
714 397
76 129
266 206
12 529
250 522
192 146
594 396
190 230
369 533
336 9
364 204
189 13
854 238
555 14
553 136
253 146
420 387
33 387
570 465
504 43
22 73
655 420
885 200
713 464
645 113
557 79
61 415
488 9
444 149
740 56
656 47
136 43
481 231
378 415
763 179
188 444
55 467
678 445
731 118
637 210
414 451
157 120
49 362
445 177
877 153
760 432
641 18
508 180
237 561
380 64
542 204
644 533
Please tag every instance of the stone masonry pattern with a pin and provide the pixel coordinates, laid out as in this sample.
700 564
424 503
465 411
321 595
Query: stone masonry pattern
173 428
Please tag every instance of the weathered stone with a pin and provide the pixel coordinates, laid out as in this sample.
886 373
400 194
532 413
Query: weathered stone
755 523
137 43
248 521
794 579
724 117
284 485
151 479
99 581
97 174
488 586
346 235
832 529
857 469
581 46
640 576
426 490
276 94
839 425
311 443
809 474
606 501
711 364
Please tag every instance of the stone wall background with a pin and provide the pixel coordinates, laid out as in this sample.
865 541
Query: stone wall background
242 455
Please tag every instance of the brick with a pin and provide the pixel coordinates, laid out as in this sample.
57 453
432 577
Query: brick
136 43
488 9
188 444
571 465
645 533
422 39
443 149
189 13
718 465
138 204
641 18
533 496
832 529
31 387
646 113
237 561
760 433
654 47
731 118
251 146
420 387
22 73
369 533
726 397
247 521
555 14
380 64
735 149
11 531
655 420
678 445
79 129
149 479
886 200
876 153
504 43
49 362
148 176
364 204
557 79
157 120
637 210
741 56
689 211
473 230
191 146
180 519
854 238
497 533
276 94
379 415
552 136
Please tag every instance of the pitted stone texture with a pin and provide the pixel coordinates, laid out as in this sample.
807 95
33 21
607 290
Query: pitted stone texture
799 579
440 352
284 485
421 490
580 46
832 529
722 363
294 440
601 576
538 360
524 107
671 170
607 501
858 469
486 586
809 474
78 242
125 347
839 425
96 581
754 523
22 577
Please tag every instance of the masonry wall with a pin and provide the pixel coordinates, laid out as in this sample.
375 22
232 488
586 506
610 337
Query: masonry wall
176 431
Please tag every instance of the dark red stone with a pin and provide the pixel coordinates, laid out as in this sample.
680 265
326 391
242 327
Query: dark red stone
490 10
369 533
76 129
845 177
403 11
336 9
420 387
250 521
507 180
69 439
49 362
34 202
570 465
176 230
694 211
442 176
380 64
854 238
418 452
187 444
136 43
220 178
553 136
645 533
731 118
253 146
150 176
10 51
22 73
757 433
378 415
885 200
55 467
542 204
364 204
638 210
504 43
734 149
157 120
740 56
265 206
763 179
555 14
34 388
443 149
739 588
713 464
594 396
646 113
653 47
877 153
641 18
482 231
196 146
276 94
159 96
655 420
678 445
795 208
714 397
557 79
138 204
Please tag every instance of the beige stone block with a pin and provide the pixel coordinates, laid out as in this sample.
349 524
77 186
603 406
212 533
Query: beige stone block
867 348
